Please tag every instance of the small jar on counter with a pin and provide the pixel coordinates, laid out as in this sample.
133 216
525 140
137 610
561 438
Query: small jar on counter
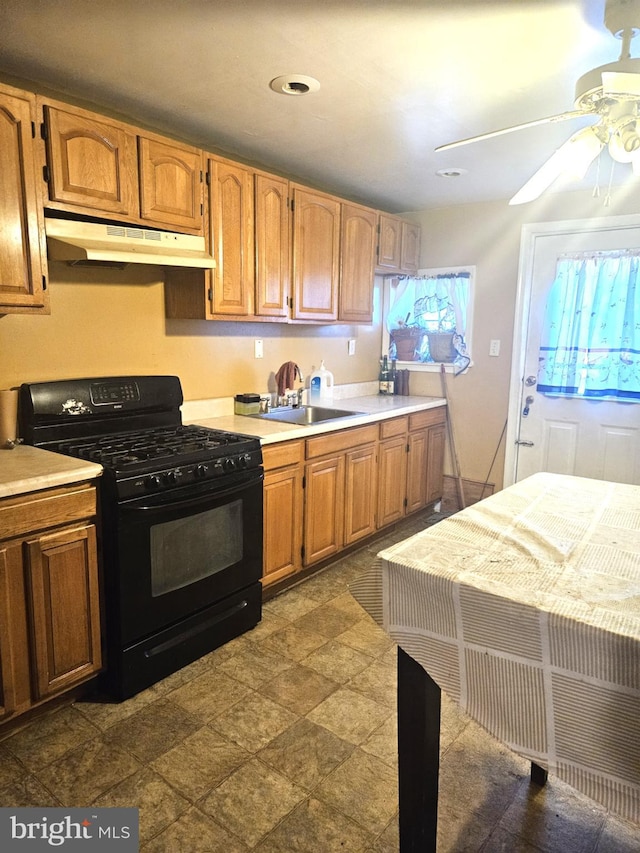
247 404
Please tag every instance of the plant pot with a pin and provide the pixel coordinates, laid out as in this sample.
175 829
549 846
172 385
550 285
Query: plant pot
407 341
441 347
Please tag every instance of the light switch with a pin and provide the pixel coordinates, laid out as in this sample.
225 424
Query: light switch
352 346
494 348
257 349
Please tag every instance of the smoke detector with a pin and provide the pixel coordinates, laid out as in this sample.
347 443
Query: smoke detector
294 84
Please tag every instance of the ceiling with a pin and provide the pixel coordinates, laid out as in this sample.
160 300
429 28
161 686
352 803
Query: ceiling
397 78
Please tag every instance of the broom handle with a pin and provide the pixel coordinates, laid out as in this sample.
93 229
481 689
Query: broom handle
452 444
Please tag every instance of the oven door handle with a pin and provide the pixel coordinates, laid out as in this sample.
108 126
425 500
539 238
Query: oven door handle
184 503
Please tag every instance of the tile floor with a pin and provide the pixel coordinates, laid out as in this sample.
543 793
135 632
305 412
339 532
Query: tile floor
283 741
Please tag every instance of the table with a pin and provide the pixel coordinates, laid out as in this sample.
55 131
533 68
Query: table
525 609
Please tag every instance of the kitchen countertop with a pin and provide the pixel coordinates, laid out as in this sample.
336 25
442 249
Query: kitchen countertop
374 408
29 469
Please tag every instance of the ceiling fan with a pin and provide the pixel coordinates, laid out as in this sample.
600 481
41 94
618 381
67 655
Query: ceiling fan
610 93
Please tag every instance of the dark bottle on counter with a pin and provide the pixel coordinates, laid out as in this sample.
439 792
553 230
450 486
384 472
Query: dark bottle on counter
385 382
393 386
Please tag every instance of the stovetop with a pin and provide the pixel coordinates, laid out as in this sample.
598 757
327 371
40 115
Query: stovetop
156 446
132 426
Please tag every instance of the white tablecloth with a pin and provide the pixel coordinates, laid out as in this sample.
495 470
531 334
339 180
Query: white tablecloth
525 609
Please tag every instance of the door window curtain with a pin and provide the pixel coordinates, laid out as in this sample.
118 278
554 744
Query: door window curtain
590 342
427 319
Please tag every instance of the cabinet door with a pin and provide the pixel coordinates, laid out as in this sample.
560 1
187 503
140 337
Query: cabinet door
7 657
64 609
357 260
360 493
435 463
392 479
283 497
231 217
417 463
22 242
316 256
323 508
92 162
410 242
170 184
272 246
389 242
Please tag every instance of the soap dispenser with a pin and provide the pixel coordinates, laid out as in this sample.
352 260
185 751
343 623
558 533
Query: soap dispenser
321 386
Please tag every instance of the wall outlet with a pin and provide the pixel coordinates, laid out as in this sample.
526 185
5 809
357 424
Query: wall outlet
258 351
494 348
352 346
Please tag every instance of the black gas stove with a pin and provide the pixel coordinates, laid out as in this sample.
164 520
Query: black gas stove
180 529
94 419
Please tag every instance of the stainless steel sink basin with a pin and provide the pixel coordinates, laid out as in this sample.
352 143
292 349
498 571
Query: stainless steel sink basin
306 415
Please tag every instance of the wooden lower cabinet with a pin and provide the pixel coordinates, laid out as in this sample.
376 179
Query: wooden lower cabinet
283 499
50 637
333 490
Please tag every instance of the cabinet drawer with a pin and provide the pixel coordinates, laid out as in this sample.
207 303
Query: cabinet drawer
284 453
40 510
335 442
393 427
427 418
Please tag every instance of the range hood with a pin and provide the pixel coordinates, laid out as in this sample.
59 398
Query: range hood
91 242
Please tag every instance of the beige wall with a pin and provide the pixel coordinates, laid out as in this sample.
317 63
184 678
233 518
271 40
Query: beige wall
111 322
488 236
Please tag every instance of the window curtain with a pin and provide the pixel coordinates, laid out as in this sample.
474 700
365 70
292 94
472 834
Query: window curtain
590 341
426 306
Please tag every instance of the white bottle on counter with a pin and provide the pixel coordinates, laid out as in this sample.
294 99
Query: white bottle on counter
321 386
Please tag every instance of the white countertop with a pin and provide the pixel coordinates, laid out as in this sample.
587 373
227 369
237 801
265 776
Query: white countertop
28 469
374 408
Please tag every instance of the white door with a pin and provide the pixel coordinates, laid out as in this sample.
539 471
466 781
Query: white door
587 438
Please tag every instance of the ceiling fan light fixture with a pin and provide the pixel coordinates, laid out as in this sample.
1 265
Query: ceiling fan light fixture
452 172
294 84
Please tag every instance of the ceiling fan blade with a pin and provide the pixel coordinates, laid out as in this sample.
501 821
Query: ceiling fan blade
492 133
573 157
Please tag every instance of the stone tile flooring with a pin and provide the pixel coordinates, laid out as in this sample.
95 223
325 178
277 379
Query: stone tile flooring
284 741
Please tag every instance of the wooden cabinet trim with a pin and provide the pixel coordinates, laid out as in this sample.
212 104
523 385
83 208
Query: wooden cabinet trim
41 510
394 426
336 442
284 453
427 418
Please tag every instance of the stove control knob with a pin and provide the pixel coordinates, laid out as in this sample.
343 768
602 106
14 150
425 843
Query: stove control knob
229 464
171 477
243 460
200 471
153 481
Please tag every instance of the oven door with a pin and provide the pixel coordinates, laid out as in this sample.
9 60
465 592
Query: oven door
183 550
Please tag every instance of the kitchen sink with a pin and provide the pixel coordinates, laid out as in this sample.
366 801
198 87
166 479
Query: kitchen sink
306 415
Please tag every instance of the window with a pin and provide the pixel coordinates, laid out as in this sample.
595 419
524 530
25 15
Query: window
427 318
590 340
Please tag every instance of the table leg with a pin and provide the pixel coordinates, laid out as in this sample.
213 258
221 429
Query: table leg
538 774
418 756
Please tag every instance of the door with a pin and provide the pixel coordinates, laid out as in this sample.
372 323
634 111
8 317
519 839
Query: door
599 439
170 184
316 256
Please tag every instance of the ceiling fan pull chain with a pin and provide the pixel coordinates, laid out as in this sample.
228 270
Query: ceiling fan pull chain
607 200
596 188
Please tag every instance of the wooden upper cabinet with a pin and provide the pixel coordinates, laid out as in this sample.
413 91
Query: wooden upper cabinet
316 255
23 254
389 240
171 183
272 245
357 255
409 247
92 162
232 241
398 244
